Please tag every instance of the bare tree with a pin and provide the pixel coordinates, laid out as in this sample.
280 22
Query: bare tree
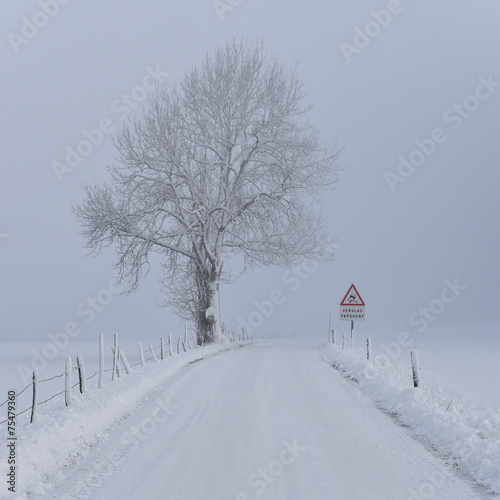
223 163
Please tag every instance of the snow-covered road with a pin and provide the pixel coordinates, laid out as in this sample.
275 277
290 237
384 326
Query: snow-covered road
270 421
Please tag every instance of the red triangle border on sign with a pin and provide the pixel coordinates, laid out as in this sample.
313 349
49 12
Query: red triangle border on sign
357 293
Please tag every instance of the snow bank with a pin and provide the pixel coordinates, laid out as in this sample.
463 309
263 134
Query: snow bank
463 431
60 436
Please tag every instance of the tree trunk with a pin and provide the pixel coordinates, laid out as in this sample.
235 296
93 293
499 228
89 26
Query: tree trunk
208 296
204 329
214 301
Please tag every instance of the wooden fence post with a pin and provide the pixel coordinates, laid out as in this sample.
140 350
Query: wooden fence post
415 365
35 396
170 343
141 355
162 349
81 374
333 336
125 362
115 356
67 381
118 369
343 340
153 353
101 362
178 345
369 349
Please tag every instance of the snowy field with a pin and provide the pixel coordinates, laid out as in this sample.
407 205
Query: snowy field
456 412
18 359
466 356
280 408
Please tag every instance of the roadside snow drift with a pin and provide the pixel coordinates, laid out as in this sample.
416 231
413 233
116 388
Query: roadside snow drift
463 431
62 436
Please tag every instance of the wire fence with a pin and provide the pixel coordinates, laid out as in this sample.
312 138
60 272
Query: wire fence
144 357
151 354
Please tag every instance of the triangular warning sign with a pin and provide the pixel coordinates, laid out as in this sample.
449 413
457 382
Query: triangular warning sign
352 298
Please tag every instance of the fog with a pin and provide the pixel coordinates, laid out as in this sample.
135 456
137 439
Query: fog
411 90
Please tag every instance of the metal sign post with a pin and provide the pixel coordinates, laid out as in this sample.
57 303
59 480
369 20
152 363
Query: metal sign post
352 308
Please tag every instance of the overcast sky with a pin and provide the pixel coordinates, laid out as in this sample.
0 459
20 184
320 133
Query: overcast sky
397 82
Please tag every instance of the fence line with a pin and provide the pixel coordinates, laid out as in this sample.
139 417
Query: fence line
118 359
18 394
32 407
414 360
